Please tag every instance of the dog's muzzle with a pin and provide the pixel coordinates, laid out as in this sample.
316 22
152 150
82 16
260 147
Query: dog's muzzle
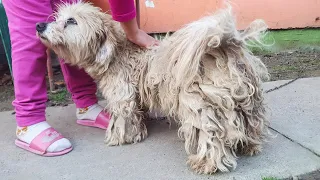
41 27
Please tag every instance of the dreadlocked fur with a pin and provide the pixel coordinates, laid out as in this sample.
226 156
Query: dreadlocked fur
203 76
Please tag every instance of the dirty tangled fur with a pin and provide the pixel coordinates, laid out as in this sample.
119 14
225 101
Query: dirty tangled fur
205 76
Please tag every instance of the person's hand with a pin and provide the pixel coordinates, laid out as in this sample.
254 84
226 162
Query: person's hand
142 39
137 36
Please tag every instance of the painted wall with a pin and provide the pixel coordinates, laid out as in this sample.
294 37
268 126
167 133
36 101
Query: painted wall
169 15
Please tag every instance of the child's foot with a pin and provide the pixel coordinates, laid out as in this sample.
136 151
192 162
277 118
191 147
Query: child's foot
93 116
42 139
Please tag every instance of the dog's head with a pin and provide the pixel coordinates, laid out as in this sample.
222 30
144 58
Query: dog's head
81 34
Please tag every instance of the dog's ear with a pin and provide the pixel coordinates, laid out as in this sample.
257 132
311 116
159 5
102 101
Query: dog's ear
108 41
106 50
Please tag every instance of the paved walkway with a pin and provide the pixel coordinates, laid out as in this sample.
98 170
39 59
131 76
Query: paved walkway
295 112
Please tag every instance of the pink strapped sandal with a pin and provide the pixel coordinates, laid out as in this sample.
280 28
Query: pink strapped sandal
41 142
102 121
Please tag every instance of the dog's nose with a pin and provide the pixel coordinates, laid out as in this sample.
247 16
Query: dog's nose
41 27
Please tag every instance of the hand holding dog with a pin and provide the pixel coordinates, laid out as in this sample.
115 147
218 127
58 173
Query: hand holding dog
138 36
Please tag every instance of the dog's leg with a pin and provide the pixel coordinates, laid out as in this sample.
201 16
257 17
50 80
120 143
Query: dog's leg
251 148
205 132
126 124
256 125
253 145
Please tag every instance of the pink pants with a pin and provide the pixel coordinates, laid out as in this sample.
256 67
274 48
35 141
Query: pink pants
29 58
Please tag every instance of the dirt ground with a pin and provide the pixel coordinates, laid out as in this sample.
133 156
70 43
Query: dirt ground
289 65
284 65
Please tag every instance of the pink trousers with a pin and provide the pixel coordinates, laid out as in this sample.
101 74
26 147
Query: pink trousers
29 58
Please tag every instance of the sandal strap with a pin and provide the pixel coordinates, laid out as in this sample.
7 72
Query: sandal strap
45 139
103 119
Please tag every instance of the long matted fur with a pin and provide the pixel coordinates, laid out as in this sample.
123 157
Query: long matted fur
203 76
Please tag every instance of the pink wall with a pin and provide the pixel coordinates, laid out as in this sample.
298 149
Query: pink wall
169 15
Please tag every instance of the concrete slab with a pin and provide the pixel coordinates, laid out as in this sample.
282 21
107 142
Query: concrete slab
272 84
295 112
160 156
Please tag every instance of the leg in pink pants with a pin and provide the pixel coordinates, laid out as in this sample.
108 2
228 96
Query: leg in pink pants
29 63
122 10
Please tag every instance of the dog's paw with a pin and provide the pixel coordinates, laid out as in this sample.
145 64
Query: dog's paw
201 166
252 150
137 137
114 138
129 135
210 163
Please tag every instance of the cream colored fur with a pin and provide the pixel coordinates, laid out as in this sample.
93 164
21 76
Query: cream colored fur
203 76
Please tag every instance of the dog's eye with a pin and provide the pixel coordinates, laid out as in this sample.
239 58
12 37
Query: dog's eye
70 21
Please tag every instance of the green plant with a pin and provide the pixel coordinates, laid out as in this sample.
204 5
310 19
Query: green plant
282 40
59 96
269 178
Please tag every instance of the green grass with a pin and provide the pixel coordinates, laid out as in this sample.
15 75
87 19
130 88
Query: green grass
59 96
269 178
281 40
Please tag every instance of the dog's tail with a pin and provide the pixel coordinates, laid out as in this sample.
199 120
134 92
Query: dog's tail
206 36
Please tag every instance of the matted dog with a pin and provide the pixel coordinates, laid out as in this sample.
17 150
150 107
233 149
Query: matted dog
203 76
